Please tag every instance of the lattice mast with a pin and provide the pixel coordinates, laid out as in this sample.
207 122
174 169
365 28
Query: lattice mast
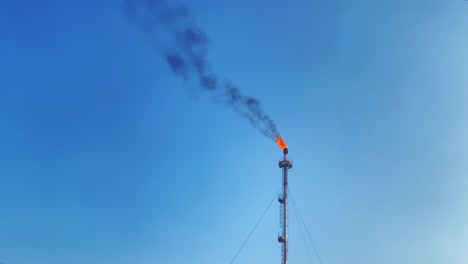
285 164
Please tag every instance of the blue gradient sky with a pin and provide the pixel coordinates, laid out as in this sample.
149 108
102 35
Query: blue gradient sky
107 157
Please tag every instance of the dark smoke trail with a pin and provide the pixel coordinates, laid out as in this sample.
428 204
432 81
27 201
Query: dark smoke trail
187 57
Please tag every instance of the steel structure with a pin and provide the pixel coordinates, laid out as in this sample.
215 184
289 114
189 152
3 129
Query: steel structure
285 164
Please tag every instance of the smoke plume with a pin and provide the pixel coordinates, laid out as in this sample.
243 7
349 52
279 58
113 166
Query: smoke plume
186 56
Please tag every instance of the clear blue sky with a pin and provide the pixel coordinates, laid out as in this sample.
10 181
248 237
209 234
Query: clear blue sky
106 156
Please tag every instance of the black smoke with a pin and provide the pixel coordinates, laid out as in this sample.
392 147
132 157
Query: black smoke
186 56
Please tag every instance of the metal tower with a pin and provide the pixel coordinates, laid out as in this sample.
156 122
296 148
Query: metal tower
284 164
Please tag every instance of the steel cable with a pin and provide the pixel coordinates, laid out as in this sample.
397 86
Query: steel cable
255 227
307 230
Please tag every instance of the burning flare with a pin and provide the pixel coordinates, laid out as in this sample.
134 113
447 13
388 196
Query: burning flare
281 142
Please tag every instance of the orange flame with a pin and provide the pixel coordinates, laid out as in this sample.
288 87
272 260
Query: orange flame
281 142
